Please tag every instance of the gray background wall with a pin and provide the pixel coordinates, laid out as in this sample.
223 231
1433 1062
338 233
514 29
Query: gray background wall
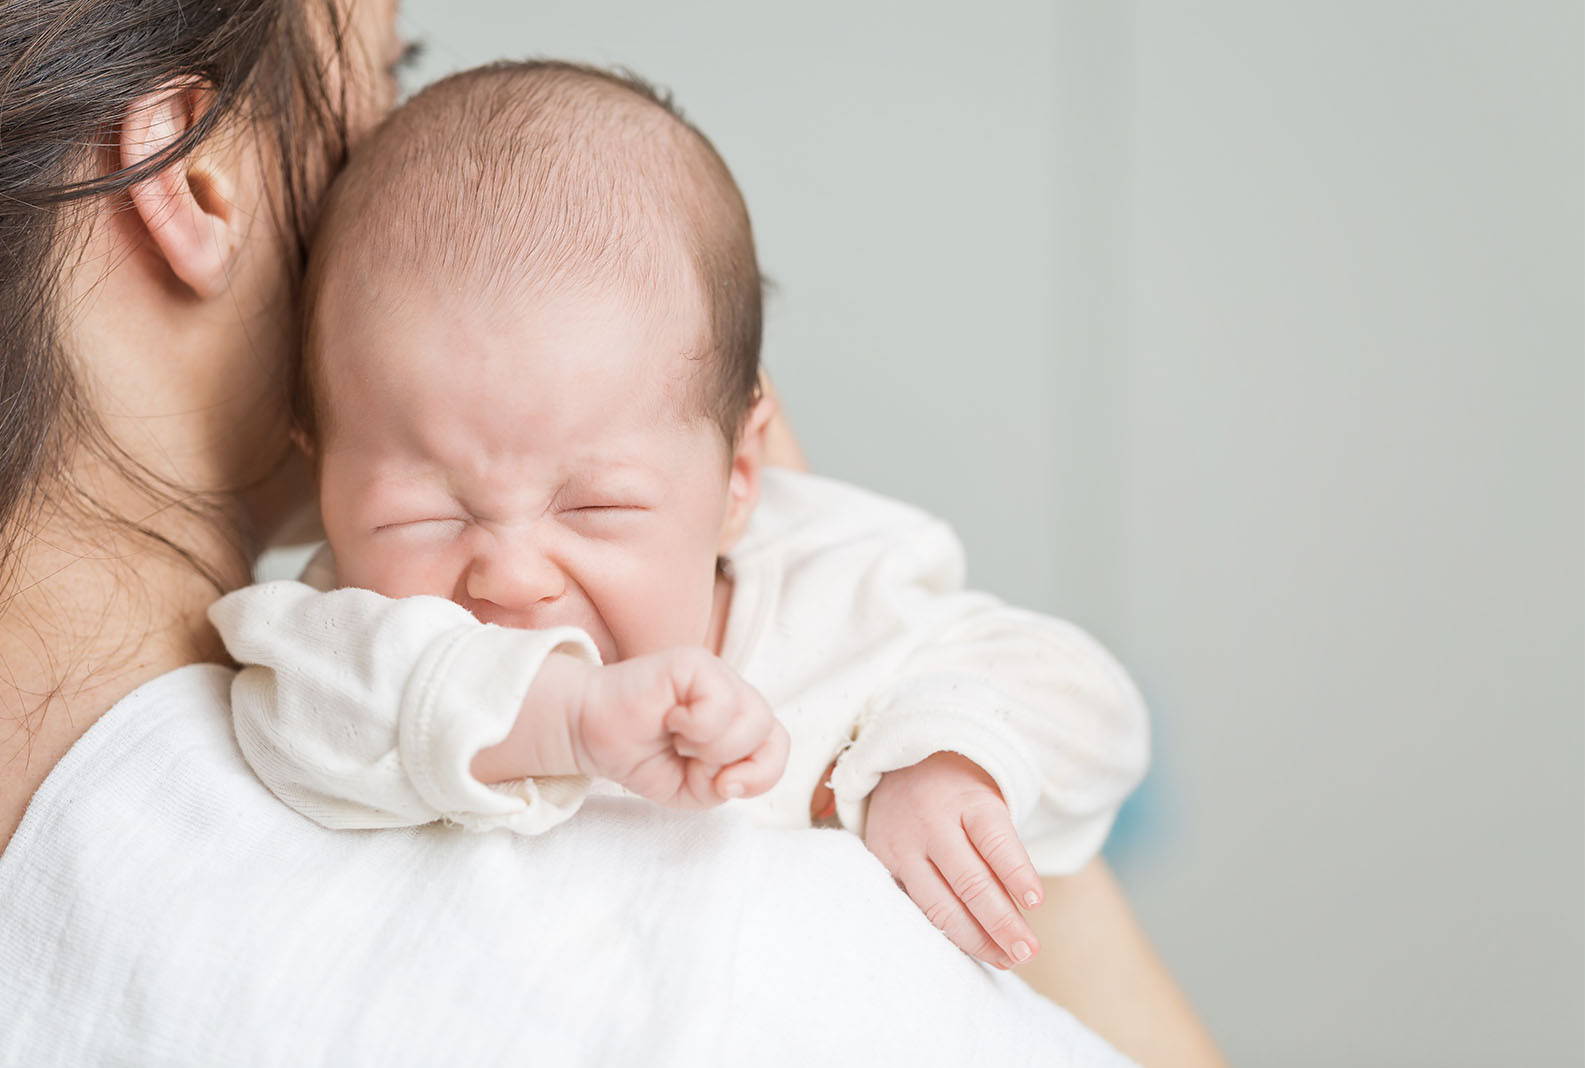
1249 335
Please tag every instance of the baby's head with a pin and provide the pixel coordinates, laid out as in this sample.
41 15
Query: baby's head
532 357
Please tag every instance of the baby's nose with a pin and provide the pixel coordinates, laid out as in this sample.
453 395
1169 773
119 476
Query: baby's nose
515 578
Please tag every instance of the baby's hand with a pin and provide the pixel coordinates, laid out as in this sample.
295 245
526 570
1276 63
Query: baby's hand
680 728
944 832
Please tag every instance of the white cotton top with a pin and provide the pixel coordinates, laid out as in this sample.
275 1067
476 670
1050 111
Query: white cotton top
849 614
158 906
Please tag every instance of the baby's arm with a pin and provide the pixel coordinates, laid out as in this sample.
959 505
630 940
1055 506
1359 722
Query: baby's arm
998 718
1032 700
363 711
678 727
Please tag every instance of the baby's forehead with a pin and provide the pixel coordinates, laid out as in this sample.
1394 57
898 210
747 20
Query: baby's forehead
580 361
509 415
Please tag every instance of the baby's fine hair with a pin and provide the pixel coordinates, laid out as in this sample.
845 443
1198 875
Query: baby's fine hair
548 174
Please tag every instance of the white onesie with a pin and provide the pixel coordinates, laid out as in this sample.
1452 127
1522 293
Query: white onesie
848 613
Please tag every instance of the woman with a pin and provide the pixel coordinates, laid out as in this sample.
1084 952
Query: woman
159 166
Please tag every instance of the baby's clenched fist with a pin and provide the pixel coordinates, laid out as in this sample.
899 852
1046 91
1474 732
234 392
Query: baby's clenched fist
680 728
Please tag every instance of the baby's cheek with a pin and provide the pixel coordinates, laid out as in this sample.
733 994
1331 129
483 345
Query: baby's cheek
403 574
661 613
645 627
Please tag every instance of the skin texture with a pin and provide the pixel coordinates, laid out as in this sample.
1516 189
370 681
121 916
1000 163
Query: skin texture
195 387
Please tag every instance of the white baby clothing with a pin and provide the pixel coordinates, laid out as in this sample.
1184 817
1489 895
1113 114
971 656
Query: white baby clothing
159 907
848 613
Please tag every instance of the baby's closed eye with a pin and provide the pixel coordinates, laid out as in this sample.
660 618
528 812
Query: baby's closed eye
605 509
432 527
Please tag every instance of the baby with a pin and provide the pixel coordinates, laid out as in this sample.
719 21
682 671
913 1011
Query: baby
556 555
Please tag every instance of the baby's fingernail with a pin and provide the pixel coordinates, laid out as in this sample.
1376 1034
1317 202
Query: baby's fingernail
1031 899
1021 951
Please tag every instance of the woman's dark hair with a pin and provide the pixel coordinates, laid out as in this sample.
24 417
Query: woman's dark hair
69 72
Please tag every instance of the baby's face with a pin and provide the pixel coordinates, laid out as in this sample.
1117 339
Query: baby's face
538 465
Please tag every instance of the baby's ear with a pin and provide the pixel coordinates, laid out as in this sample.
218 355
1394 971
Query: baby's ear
748 459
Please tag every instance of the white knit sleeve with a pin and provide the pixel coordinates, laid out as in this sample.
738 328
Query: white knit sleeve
1035 701
365 711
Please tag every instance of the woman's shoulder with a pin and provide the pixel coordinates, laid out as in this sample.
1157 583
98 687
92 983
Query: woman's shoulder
153 873
175 726
175 712
158 902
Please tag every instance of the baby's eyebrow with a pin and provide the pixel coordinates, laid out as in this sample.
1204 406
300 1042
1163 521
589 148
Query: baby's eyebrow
613 466
613 478
411 478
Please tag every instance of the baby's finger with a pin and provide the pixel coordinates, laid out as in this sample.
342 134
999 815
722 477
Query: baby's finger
745 728
699 784
664 778
759 771
981 893
922 882
990 828
705 711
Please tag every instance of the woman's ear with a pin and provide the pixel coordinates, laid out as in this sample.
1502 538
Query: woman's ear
748 459
186 206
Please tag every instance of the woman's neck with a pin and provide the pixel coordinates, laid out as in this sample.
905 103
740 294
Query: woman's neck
188 390
92 611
